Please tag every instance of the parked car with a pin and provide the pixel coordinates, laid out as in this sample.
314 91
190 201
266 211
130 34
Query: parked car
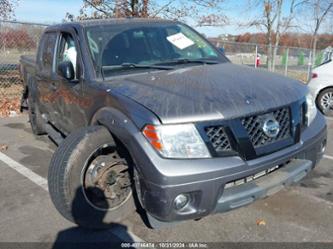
321 86
148 114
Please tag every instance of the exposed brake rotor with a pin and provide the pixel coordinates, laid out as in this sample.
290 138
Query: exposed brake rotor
109 173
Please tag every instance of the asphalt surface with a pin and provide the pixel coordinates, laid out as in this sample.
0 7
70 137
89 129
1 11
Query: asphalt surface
298 213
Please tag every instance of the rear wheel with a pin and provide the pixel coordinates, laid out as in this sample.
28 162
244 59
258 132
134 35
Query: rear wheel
325 102
89 180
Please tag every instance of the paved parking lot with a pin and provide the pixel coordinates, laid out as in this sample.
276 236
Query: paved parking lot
299 213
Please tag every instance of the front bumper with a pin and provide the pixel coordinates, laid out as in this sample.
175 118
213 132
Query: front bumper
204 180
247 193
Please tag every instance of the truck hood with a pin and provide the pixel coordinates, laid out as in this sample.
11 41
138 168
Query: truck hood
208 92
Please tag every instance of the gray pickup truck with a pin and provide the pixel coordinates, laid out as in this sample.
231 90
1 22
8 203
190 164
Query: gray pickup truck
149 116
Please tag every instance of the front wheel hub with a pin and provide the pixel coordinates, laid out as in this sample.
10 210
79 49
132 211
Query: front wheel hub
107 181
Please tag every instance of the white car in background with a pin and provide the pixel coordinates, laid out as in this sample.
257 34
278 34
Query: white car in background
321 86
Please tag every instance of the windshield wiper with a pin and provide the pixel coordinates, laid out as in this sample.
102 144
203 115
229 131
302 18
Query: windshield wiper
189 61
134 66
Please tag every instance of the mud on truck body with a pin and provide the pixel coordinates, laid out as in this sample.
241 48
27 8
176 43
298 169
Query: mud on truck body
149 115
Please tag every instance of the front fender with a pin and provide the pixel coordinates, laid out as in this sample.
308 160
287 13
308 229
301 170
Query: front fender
123 117
126 131
117 123
318 85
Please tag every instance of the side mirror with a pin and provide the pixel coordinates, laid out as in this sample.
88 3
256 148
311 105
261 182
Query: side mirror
66 70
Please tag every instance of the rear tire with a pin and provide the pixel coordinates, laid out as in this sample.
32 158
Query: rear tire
325 102
74 194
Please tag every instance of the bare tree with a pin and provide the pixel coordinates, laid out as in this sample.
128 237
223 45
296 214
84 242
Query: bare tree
266 21
6 12
274 21
271 10
279 4
93 9
284 22
213 20
321 9
7 9
204 12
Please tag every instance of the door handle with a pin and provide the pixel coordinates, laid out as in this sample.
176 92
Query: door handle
53 86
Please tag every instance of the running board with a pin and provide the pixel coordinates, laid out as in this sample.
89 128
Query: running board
55 135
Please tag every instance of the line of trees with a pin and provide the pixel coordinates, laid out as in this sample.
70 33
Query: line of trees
16 39
289 39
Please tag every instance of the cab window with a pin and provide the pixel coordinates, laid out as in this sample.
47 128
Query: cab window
67 51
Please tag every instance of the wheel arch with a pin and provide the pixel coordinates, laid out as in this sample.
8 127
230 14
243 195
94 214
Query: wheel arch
121 128
115 121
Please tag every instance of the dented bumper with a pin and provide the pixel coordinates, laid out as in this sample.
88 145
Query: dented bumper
207 181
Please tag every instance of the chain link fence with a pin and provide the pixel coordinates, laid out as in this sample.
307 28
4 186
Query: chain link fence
290 61
16 39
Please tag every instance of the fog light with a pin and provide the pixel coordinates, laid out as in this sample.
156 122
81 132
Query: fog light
181 201
323 146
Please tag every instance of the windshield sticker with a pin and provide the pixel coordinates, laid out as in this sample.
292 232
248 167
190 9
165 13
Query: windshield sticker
180 41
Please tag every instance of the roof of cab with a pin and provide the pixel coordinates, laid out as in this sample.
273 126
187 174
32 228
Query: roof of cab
115 21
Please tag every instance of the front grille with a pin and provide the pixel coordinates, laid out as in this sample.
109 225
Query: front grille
254 127
218 138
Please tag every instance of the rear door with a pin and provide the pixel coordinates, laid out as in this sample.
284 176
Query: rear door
45 75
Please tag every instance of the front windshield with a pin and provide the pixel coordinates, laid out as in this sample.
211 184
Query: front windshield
150 44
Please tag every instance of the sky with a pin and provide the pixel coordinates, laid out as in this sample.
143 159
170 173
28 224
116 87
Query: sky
53 11
46 11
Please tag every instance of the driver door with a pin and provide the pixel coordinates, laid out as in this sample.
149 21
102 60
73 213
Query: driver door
69 102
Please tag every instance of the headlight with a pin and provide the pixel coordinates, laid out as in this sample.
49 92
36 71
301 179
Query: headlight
311 108
176 141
